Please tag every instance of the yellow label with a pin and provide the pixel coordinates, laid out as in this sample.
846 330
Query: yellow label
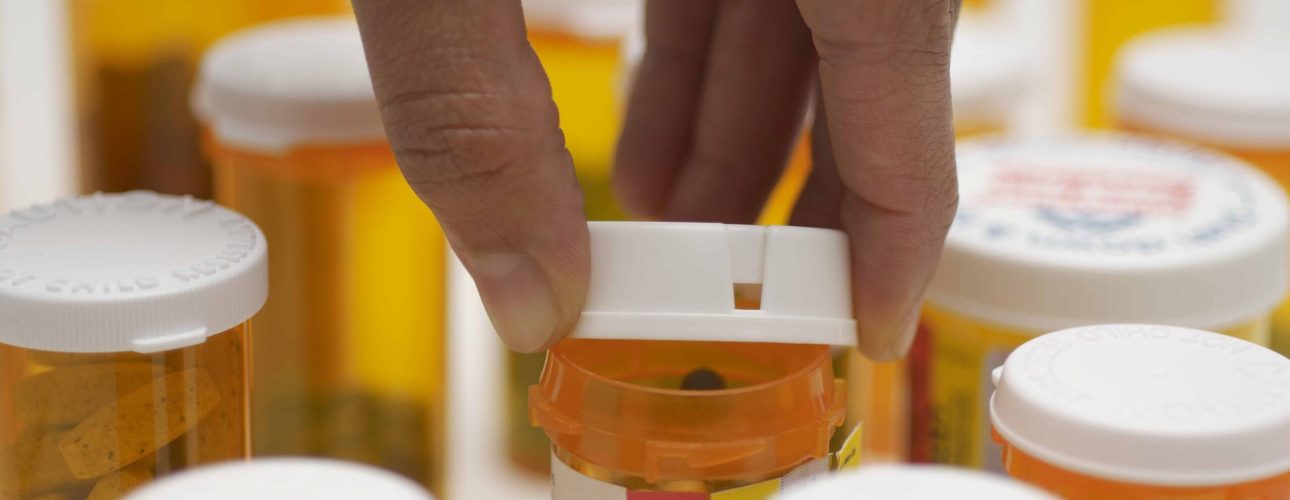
962 353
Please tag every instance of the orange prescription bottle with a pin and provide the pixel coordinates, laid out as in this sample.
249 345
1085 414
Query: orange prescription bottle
579 43
1060 231
1106 25
355 368
134 61
1145 411
1218 87
988 75
125 318
670 387
281 478
915 482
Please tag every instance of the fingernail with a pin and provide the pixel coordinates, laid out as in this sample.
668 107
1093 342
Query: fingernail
900 344
518 297
889 338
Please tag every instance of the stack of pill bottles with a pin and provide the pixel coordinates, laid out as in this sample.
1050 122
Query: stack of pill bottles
915 482
133 64
1145 411
988 78
671 387
355 368
1060 231
580 44
125 318
284 478
1222 88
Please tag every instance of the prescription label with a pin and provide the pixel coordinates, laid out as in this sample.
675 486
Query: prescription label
952 388
569 484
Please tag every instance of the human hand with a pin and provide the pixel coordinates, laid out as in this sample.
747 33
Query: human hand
715 111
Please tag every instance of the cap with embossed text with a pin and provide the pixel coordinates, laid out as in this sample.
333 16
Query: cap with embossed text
135 271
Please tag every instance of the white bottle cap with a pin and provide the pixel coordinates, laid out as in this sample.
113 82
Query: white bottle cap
914 482
283 478
596 20
1063 231
1213 85
287 84
1148 404
676 281
987 71
127 272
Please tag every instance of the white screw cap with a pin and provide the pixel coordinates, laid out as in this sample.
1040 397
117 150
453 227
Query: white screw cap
914 482
127 272
676 281
282 478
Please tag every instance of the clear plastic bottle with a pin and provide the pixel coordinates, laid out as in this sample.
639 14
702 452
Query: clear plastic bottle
125 341
134 62
280 478
356 367
701 363
1061 231
1221 88
1145 411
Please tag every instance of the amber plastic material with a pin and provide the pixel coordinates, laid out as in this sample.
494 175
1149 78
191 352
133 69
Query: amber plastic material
355 368
1275 163
95 426
615 411
1076 486
134 63
1108 24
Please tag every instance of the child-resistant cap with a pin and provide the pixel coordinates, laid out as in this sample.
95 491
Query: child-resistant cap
136 271
281 478
914 482
677 281
1214 85
987 72
1147 404
1063 231
288 84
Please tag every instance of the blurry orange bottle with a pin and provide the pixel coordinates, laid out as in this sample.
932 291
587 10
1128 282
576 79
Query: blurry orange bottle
1145 411
1220 88
355 368
670 384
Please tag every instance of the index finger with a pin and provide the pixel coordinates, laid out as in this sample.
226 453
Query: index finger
884 82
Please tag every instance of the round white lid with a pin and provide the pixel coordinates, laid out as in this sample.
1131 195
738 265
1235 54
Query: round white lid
676 281
127 272
286 84
1214 85
1147 404
603 20
1062 231
914 482
283 478
987 70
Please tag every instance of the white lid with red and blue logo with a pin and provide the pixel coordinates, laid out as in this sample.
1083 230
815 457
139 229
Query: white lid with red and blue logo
1061 231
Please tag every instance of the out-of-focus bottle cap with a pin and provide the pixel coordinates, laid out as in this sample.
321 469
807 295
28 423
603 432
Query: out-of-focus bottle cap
987 71
1148 404
127 272
1062 231
678 281
281 478
914 482
287 84
594 20
1218 86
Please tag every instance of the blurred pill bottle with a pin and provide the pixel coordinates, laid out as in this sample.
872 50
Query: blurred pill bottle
1059 231
914 482
988 77
126 316
581 45
133 65
355 368
1145 411
1216 87
701 363
284 478
1106 25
